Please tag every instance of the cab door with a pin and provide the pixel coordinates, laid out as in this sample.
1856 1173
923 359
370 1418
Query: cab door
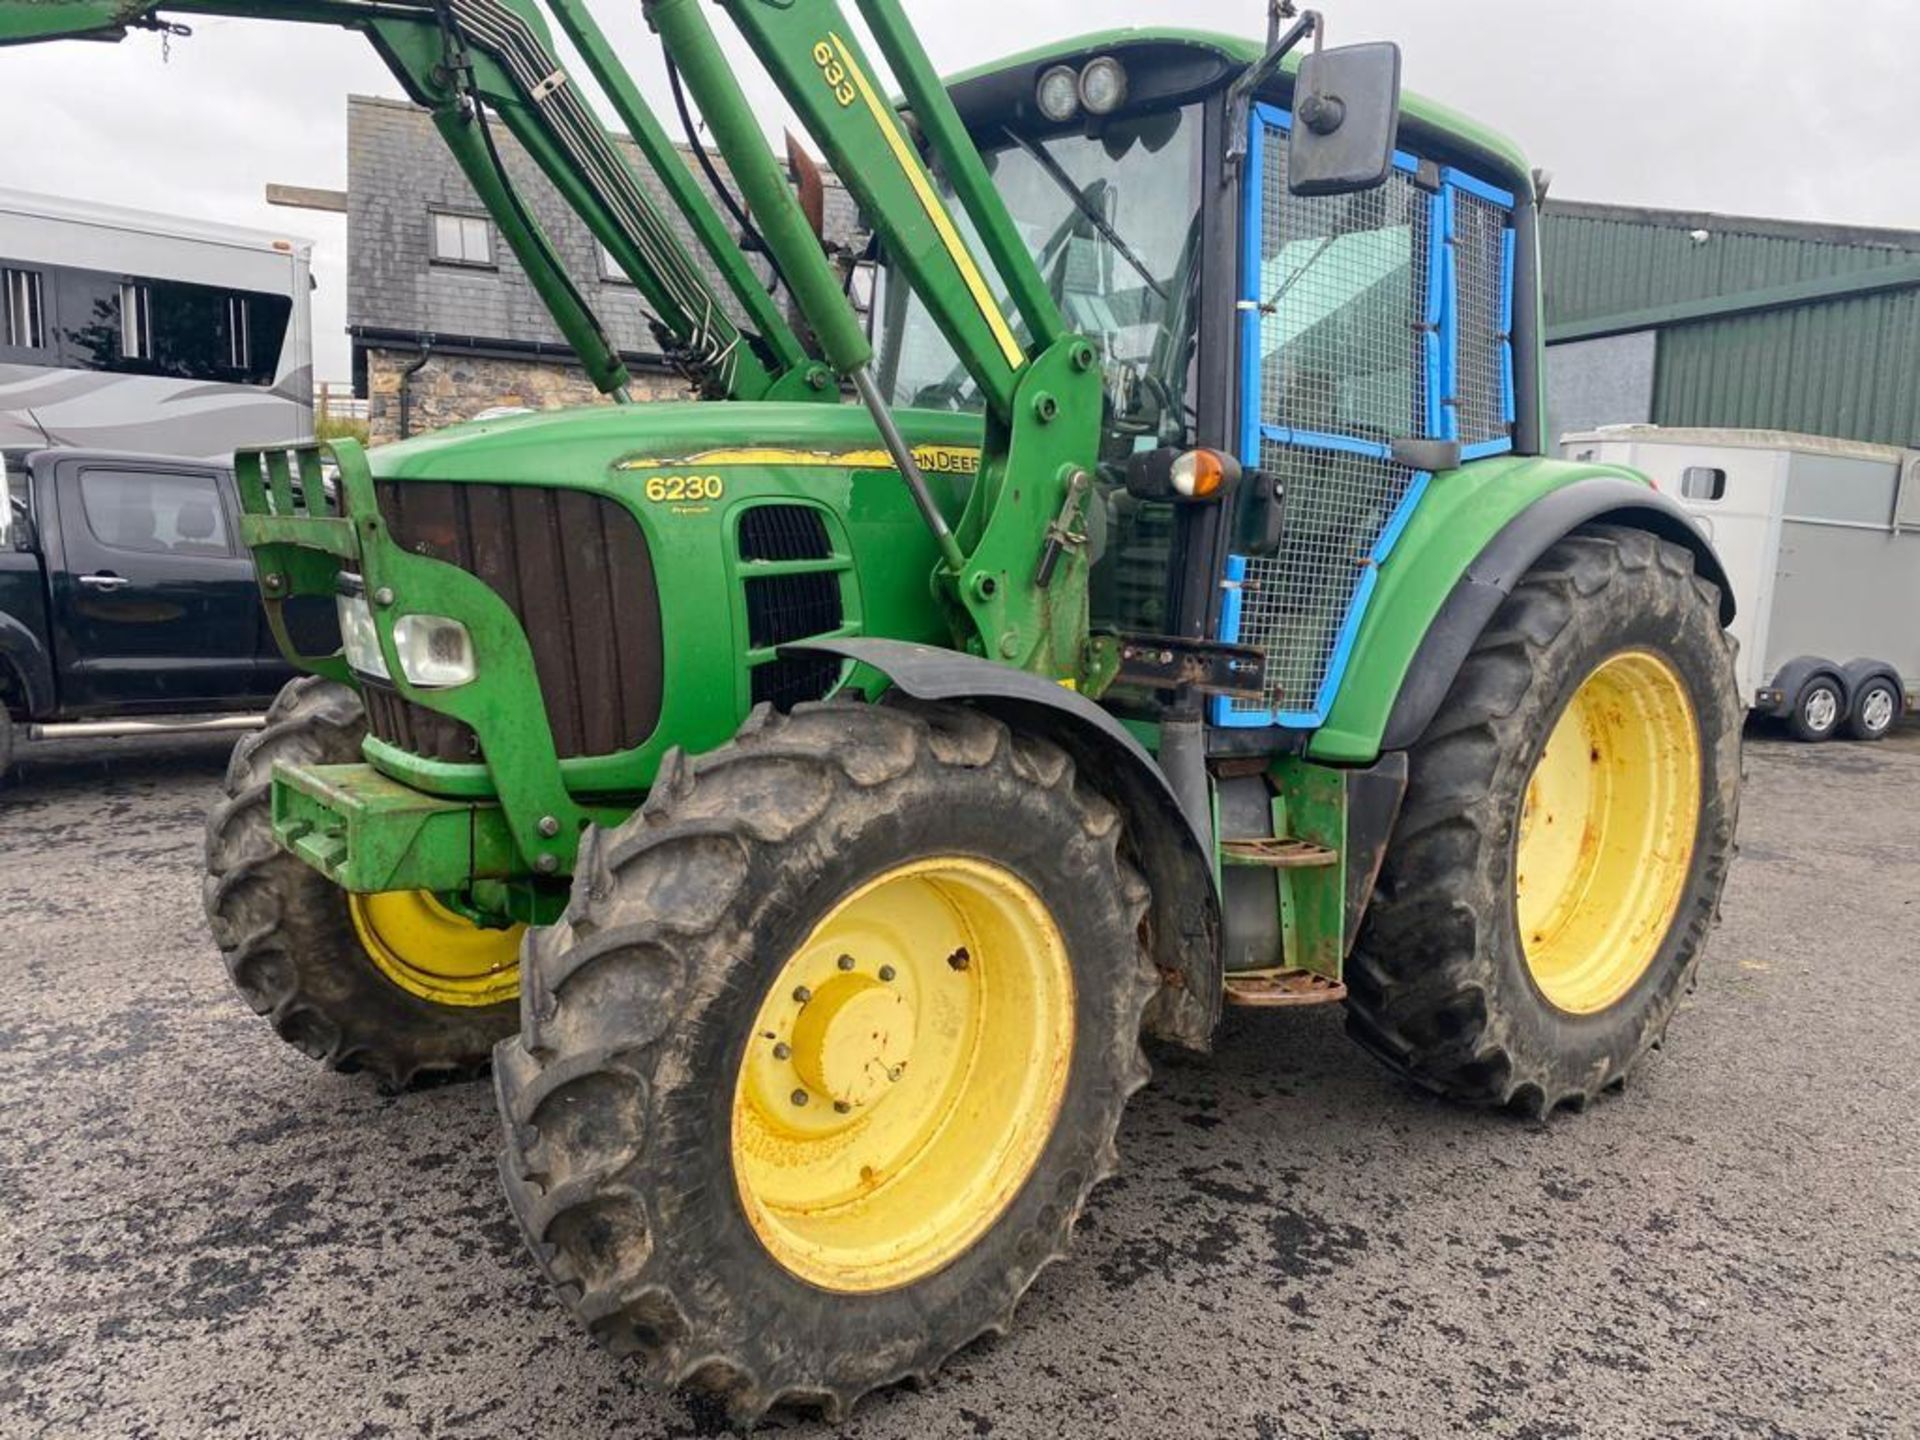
155 602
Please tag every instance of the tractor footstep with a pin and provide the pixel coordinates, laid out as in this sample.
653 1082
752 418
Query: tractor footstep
1271 989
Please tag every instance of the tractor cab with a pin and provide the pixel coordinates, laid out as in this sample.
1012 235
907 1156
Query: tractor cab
1335 327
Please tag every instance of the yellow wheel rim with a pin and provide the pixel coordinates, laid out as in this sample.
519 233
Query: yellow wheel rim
1606 839
903 1075
433 952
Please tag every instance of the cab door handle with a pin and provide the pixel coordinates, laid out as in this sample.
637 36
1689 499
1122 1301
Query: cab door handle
105 581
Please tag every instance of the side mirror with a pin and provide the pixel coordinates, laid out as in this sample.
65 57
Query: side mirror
1346 119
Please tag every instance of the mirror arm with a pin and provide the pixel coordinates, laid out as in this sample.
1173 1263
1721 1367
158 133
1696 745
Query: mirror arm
1240 97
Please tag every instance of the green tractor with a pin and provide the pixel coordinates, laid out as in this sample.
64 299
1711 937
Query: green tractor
806 799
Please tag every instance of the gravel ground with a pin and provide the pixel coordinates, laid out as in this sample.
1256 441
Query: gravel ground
202 1234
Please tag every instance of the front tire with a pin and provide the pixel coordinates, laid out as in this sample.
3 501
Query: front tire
1568 828
766 1126
398 987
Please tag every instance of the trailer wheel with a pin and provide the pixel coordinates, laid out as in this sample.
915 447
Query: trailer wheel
397 986
1818 710
818 1070
1875 709
1567 831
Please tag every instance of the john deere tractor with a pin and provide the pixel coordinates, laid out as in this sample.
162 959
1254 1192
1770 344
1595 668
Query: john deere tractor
805 798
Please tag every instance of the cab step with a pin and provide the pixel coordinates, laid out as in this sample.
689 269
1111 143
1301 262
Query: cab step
1277 853
1275 989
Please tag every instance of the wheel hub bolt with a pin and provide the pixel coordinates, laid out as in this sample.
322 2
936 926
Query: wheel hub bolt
783 1051
800 1097
846 962
802 995
887 972
841 1107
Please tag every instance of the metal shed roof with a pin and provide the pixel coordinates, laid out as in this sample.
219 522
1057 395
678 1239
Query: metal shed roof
1763 323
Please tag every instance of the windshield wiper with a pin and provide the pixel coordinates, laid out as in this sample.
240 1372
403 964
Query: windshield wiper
1087 208
1272 306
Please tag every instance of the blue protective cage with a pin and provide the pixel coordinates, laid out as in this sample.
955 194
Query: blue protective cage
1348 504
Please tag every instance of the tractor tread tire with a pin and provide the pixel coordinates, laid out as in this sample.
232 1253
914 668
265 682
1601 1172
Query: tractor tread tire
1435 988
606 1099
285 932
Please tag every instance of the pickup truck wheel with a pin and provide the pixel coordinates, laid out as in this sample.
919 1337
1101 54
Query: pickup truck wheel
1567 830
397 986
831 1045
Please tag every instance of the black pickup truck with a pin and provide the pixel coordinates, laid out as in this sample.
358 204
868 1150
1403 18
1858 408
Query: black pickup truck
128 604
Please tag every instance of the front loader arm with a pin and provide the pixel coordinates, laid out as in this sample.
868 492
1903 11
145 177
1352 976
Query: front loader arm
463 58
1015 579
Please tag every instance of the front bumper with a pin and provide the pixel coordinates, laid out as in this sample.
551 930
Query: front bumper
369 834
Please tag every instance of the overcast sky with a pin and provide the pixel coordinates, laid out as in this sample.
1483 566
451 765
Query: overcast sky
1763 107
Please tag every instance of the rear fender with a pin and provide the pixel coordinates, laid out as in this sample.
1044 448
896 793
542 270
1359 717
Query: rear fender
1175 858
1507 557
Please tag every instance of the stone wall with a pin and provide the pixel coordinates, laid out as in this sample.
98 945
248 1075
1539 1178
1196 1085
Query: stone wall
454 387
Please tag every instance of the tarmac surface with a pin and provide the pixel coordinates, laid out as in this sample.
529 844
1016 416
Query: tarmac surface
202 1234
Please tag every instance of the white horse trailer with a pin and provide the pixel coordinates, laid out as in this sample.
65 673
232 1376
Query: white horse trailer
121 330
1821 541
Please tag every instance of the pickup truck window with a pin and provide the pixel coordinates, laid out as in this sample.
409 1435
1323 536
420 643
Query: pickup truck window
154 513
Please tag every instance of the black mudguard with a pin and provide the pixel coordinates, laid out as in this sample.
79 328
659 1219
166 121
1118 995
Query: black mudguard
1175 858
1507 557
22 652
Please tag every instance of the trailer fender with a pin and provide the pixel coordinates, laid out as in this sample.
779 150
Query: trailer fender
1507 557
1856 673
1794 675
1176 859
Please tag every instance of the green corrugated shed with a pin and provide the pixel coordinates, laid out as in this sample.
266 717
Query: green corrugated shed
1760 323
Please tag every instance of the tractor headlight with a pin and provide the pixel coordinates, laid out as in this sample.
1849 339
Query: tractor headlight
1103 86
435 653
1060 94
358 637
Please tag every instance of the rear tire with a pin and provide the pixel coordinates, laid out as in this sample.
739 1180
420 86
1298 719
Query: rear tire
1442 985
646 1022
1876 710
1818 711
287 933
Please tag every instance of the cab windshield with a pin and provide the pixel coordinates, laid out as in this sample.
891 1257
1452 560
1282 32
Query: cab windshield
1112 219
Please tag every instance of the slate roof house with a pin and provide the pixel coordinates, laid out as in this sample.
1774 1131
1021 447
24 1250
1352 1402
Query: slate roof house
444 323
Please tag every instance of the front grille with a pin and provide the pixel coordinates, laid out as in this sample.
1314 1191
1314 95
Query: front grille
416 729
576 571
785 608
803 603
784 532
796 680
